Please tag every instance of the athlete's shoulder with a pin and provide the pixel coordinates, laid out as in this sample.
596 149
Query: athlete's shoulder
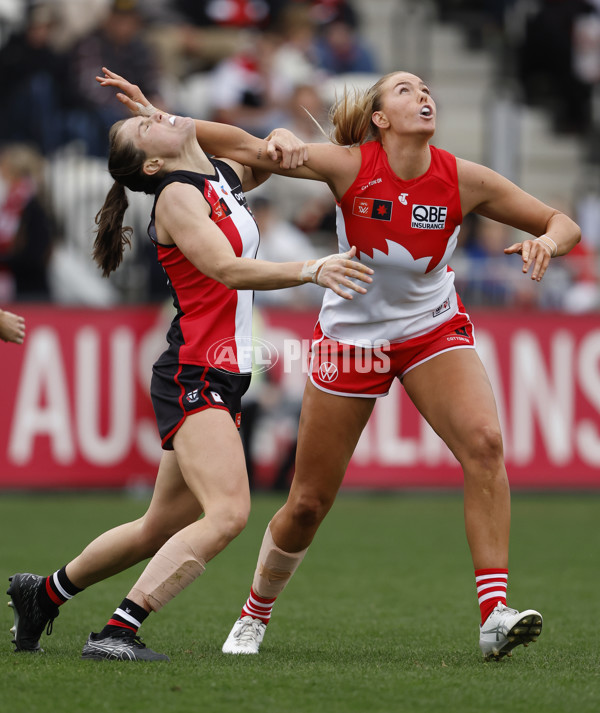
444 165
232 171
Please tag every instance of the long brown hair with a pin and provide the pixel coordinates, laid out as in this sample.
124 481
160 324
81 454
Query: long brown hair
351 114
125 165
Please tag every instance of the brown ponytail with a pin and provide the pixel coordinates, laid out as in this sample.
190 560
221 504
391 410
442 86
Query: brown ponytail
111 236
351 115
125 164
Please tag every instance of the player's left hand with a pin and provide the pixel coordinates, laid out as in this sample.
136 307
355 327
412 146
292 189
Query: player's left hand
286 148
535 253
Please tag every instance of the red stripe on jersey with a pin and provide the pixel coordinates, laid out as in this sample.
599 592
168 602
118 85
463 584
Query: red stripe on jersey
207 311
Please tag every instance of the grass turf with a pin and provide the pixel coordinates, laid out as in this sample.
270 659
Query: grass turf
381 617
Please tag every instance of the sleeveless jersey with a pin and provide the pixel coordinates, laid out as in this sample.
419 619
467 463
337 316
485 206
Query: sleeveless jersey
406 231
208 313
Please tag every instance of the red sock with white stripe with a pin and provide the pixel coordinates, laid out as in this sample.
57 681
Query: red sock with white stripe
491 589
258 607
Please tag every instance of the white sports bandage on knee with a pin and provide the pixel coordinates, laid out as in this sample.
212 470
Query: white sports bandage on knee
274 568
170 571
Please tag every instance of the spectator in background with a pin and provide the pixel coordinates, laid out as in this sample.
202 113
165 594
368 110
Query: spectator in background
340 49
586 55
583 293
246 89
192 37
12 327
75 19
488 277
309 206
281 241
294 56
32 86
119 42
546 64
26 230
247 14
324 11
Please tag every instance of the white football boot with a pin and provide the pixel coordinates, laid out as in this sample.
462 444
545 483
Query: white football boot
506 628
245 637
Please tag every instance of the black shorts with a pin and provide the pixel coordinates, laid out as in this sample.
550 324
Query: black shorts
178 390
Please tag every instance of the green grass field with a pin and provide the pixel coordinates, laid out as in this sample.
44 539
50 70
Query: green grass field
381 617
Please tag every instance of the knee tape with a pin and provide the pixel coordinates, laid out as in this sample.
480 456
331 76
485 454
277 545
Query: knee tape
275 567
170 571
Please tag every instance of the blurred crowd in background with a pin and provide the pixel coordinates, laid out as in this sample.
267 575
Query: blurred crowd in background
257 64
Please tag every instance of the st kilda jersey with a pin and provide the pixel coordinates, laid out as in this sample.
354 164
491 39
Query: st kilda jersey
406 231
213 324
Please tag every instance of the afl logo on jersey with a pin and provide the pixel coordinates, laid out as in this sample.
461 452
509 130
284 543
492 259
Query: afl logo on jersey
220 210
328 371
372 208
429 217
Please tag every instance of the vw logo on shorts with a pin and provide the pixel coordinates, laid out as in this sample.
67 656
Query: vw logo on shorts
328 371
243 353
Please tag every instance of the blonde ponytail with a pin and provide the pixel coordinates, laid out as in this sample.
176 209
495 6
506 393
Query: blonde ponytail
351 114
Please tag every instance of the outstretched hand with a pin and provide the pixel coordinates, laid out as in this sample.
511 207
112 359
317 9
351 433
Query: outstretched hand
12 327
335 272
534 252
129 94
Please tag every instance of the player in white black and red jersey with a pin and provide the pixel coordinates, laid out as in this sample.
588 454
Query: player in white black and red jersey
400 201
206 241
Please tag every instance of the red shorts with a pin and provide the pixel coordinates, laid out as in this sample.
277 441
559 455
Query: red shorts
348 370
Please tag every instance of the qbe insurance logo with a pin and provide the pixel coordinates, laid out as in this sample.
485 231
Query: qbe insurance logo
243 354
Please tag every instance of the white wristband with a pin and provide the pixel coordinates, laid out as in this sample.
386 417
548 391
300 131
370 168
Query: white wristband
310 273
147 110
553 248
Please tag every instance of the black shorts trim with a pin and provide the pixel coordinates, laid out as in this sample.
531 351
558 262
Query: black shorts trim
180 390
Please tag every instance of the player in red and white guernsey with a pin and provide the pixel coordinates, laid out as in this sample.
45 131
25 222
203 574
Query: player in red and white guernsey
206 240
400 202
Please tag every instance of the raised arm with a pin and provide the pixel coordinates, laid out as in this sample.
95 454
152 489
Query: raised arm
487 193
279 153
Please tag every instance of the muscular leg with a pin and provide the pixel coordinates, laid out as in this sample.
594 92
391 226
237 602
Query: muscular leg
454 395
173 506
330 427
211 458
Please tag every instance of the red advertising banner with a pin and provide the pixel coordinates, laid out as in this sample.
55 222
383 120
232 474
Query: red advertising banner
75 410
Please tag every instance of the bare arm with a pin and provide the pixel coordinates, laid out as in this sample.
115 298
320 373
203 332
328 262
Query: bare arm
184 220
487 193
280 153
